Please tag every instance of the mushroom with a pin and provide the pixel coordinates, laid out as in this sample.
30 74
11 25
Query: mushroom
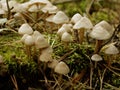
83 24
52 64
47 50
76 17
111 51
62 69
25 29
60 18
66 38
64 28
101 32
45 57
51 9
41 42
96 58
29 42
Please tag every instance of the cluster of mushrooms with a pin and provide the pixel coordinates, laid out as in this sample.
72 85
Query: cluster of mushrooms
34 10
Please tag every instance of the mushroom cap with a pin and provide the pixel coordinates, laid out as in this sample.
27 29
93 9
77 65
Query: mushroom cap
24 37
47 50
45 57
60 18
29 41
106 26
35 7
99 33
36 34
66 37
53 64
83 23
62 68
76 17
64 28
49 18
96 57
41 42
51 9
25 29
111 49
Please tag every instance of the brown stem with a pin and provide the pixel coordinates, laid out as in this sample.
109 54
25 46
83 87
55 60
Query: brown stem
81 35
9 10
98 46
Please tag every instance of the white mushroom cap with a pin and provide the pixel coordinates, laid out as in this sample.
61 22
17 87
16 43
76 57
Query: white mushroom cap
41 42
36 34
83 23
40 1
100 33
23 38
76 18
62 68
60 18
29 41
35 7
66 37
106 26
53 64
47 50
45 57
50 18
68 27
64 28
25 29
111 49
51 9
96 57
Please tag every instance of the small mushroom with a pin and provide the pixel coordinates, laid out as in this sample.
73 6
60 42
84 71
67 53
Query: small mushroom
83 24
76 18
41 42
64 28
49 8
52 64
25 29
60 18
96 58
99 33
45 57
110 52
62 68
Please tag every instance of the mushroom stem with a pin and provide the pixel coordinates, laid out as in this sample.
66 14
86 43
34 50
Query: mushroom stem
60 78
98 46
81 35
28 51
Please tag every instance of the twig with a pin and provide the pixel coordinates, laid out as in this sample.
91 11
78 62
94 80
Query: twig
67 54
113 87
14 82
101 77
9 10
112 70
